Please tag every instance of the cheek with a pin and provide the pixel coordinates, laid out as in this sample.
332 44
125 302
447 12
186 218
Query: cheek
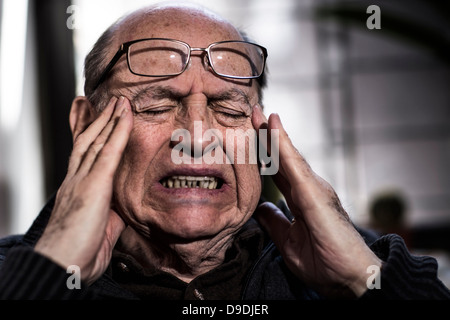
241 146
248 181
143 145
248 188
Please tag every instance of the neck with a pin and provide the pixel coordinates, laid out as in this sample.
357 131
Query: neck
184 259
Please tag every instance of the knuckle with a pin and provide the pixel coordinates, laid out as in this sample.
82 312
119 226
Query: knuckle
96 147
80 141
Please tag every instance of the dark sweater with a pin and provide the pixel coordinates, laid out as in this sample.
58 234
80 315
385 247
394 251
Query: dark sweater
253 269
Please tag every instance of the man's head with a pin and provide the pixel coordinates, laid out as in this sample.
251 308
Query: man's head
101 53
217 198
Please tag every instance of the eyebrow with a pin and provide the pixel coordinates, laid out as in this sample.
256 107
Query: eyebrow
157 92
234 94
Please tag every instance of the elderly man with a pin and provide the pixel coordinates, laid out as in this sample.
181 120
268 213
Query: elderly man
137 225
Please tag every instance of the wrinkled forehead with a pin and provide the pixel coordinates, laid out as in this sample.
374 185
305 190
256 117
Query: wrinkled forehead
197 27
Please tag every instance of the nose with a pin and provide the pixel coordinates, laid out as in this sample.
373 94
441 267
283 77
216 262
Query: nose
198 136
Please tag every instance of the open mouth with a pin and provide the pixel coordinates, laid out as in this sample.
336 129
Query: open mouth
203 182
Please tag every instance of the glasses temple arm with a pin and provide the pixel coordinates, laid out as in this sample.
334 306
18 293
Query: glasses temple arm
110 65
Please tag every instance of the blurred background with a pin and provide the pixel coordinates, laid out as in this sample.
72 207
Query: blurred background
364 93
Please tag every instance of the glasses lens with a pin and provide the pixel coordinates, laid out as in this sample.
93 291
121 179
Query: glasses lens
157 57
237 59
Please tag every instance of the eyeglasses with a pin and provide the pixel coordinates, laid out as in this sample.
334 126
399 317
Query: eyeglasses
159 57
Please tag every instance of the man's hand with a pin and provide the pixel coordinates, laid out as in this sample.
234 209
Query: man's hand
83 228
320 246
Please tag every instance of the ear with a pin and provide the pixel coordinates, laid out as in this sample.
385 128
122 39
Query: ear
81 115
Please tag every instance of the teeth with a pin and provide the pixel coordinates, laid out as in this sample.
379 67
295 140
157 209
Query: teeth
190 182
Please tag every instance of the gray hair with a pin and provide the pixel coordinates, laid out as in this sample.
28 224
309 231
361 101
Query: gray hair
94 64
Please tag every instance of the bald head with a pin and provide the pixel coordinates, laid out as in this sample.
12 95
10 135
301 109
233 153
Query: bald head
178 20
190 23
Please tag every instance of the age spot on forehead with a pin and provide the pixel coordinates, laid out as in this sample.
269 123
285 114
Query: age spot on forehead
177 20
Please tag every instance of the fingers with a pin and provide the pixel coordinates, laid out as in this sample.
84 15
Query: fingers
267 143
112 124
105 138
259 120
283 145
114 147
114 228
83 140
293 163
288 153
296 180
274 221
260 123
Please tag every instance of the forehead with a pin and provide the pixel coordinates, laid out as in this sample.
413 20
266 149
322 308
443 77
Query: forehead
195 26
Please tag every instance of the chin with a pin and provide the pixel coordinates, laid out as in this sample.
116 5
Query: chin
194 224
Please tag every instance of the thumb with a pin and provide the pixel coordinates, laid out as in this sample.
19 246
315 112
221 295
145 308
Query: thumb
114 228
274 221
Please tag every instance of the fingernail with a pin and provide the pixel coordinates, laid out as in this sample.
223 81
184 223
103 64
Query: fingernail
112 102
277 116
120 102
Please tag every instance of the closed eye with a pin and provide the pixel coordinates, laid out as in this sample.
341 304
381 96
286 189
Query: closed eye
155 111
232 115
228 112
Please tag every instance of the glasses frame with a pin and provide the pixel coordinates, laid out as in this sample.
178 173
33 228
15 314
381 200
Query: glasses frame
124 49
